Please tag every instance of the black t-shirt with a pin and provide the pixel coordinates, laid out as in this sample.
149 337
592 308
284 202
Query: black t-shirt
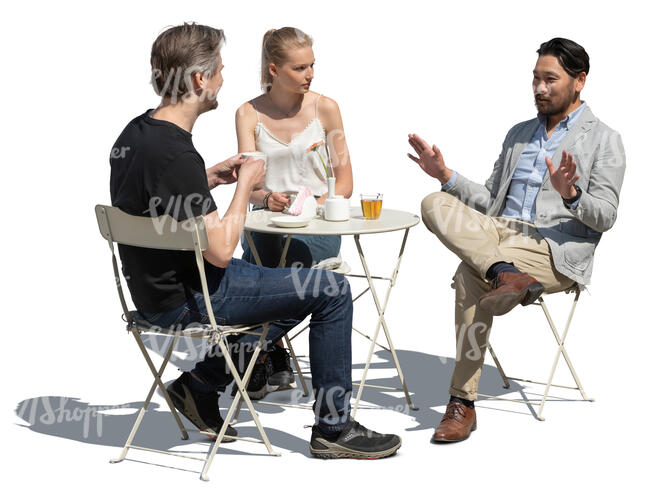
156 170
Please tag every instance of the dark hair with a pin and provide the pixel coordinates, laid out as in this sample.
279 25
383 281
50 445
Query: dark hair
571 55
181 51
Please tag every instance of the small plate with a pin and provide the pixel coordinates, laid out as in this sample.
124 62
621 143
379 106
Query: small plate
286 221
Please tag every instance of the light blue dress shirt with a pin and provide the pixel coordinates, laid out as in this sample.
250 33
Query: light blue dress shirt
531 169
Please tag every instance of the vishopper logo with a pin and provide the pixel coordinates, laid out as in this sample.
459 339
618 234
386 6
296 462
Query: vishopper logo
119 152
173 207
51 411
333 405
313 280
475 351
191 351
178 84
446 215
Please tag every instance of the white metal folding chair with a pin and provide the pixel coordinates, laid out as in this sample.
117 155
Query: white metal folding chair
561 350
165 233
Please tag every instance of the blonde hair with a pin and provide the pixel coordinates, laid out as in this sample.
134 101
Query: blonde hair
275 47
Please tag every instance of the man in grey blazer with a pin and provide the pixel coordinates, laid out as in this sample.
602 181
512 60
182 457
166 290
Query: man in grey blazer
533 227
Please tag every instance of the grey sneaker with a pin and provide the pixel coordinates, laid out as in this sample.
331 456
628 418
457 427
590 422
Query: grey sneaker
201 409
354 442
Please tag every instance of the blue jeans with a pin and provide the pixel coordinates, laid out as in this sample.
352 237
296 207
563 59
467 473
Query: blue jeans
249 294
304 249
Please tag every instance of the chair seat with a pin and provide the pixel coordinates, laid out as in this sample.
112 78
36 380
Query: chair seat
193 329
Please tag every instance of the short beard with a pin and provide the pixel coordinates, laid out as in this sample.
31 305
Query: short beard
557 109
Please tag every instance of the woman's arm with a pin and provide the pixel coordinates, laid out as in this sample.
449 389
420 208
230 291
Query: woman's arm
330 115
245 121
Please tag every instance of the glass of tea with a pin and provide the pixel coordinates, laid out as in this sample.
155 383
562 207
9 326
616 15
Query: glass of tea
371 205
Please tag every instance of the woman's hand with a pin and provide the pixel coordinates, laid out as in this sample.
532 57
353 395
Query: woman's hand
278 201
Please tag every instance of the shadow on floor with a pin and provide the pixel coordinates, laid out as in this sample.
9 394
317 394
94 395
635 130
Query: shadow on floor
427 377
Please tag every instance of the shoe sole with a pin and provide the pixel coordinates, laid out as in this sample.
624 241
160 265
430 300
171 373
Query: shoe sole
178 404
447 440
334 451
500 304
290 386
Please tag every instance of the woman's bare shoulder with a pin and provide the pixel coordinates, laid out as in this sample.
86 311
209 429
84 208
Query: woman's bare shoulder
247 110
327 104
329 113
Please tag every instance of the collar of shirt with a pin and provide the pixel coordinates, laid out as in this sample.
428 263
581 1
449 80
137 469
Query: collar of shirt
570 119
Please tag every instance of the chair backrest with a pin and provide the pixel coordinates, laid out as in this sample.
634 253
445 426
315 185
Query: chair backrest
162 232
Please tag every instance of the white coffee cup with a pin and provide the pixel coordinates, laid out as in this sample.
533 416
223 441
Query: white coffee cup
337 208
256 155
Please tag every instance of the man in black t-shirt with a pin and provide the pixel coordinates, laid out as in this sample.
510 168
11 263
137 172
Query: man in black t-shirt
156 171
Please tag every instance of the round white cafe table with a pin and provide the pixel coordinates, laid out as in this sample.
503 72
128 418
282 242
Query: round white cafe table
390 220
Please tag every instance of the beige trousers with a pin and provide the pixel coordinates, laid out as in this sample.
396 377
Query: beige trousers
480 241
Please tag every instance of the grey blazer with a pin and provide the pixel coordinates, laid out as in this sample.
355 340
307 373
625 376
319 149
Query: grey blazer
571 234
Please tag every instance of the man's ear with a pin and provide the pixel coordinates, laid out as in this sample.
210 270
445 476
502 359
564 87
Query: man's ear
198 81
580 81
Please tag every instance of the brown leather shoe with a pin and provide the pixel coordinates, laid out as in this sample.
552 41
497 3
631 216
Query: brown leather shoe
457 423
510 289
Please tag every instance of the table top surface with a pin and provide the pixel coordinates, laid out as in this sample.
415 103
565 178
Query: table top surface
389 220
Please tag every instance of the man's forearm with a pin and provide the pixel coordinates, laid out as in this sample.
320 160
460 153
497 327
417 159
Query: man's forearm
235 217
224 233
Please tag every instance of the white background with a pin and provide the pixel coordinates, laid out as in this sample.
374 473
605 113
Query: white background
73 75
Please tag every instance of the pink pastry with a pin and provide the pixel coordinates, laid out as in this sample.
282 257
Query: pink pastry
296 208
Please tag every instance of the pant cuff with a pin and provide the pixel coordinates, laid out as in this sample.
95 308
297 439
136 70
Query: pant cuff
463 394
485 266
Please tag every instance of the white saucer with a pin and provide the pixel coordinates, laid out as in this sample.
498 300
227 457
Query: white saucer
286 221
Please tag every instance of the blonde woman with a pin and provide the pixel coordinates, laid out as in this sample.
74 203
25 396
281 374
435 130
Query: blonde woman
284 122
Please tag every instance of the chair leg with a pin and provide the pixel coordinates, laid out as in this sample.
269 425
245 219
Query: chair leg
560 351
157 376
241 394
301 377
506 382
157 383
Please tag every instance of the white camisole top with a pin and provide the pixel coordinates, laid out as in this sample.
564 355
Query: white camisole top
288 164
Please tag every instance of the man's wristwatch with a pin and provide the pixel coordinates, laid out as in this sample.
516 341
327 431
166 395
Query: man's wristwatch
570 202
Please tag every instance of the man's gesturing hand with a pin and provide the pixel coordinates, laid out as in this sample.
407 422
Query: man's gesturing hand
429 158
564 177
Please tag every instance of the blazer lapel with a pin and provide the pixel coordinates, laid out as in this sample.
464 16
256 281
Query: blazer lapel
577 133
